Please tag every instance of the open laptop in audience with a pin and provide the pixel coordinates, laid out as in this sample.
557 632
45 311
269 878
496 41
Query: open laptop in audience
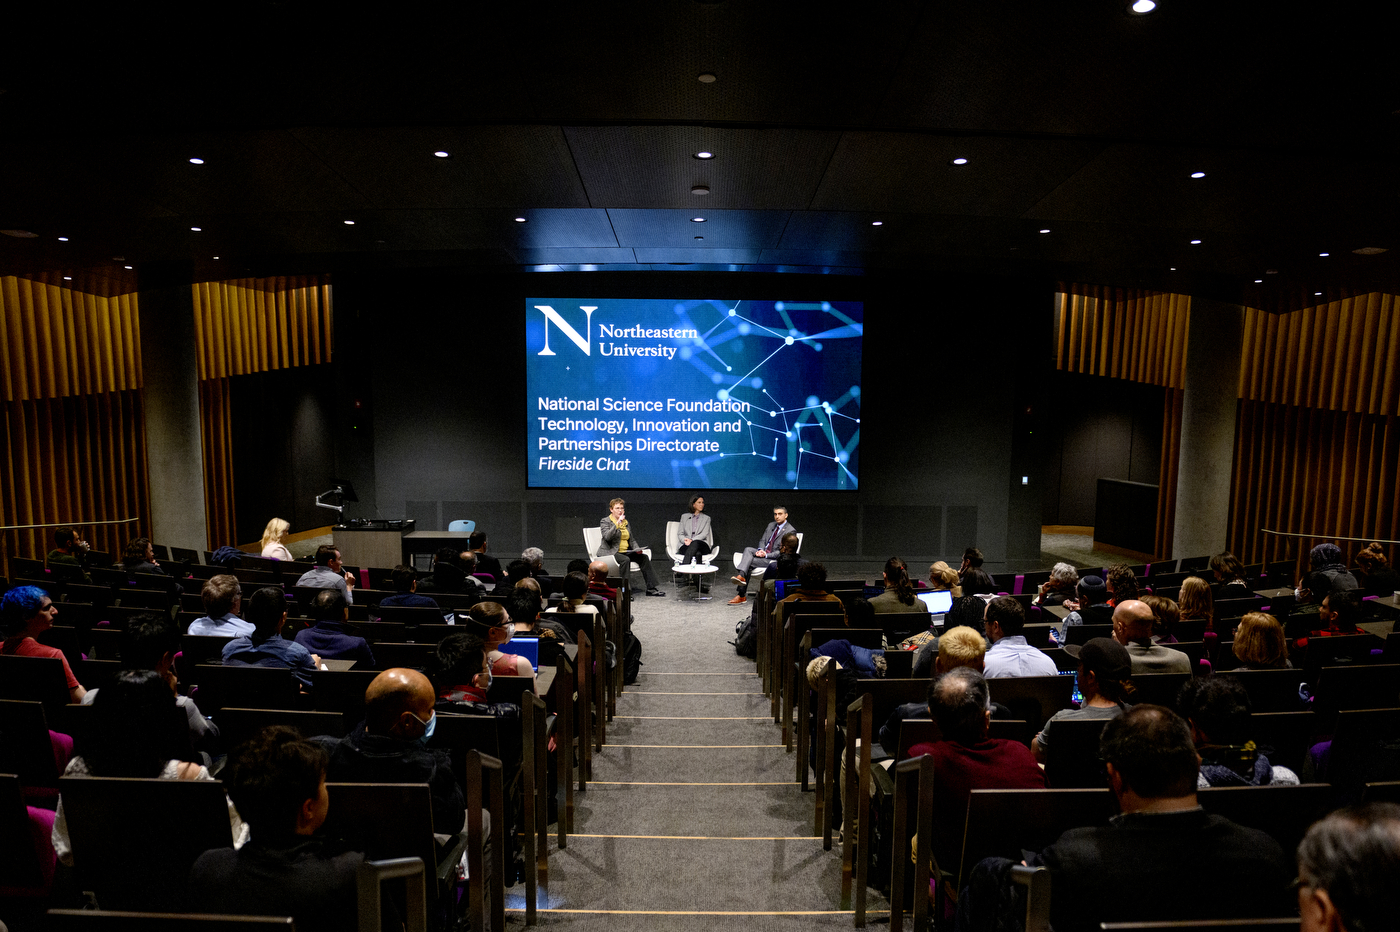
938 603
527 647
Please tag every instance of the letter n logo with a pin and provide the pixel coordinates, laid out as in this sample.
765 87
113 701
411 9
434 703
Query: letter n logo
550 314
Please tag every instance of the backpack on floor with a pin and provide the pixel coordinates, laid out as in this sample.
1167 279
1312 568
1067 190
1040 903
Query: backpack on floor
746 638
631 659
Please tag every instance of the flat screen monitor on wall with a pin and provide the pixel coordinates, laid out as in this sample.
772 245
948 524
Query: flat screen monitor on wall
665 393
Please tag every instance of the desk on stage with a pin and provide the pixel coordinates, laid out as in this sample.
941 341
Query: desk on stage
371 545
428 542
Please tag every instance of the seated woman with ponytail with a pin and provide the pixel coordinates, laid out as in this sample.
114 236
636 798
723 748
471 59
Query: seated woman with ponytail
1104 680
899 590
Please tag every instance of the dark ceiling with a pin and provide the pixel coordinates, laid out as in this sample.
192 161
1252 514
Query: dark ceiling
1079 118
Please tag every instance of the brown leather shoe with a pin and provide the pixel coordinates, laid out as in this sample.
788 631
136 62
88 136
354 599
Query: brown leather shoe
738 600
739 579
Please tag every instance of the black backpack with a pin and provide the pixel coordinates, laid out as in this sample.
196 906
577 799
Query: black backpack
746 638
631 659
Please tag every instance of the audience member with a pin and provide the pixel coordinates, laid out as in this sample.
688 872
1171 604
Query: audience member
1373 571
149 642
1059 588
140 557
941 576
811 587
1347 868
1218 710
1105 672
977 581
760 556
1090 607
1339 614
524 609
1122 584
388 746
27 612
577 565
1132 627
1229 571
1163 858
972 560
525 582
598 581
265 647
1195 601
1328 572
329 574
534 559
278 782
1165 615
694 533
491 622
70 554
331 636
1260 643
129 739
968 611
223 600
966 759
958 647
485 563
899 590
405 580
619 543
274 540
1009 654
447 575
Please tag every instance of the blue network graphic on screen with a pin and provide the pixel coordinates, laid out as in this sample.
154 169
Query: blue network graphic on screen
660 393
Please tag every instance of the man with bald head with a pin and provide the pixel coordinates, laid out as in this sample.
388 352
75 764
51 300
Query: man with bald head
389 746
598 581
1132 627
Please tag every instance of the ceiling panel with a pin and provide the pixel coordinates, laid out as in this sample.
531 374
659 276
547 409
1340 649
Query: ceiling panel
654 166
914 172
507 167
753 229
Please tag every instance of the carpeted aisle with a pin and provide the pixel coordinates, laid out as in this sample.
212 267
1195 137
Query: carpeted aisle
693 821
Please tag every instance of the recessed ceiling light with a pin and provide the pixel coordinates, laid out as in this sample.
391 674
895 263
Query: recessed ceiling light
1317 293
68 278
442 154
63 239
700 189
520 220
1143 7
1045 231
1172 269
706 78
196 161
959 161
195 230
703 155
1198 174
126 266
349 223
1259 281
1195 242
1323 255
697 219
216 257
1369 250
877 223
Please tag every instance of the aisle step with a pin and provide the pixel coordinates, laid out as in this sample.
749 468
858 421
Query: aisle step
627 762
731 810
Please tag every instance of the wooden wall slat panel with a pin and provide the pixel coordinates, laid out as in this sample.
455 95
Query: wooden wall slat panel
244 327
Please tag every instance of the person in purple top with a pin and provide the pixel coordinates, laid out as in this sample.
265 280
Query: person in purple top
332 637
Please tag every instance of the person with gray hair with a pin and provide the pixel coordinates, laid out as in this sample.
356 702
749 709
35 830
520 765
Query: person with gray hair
534 556
1060 587
1347 868
966 759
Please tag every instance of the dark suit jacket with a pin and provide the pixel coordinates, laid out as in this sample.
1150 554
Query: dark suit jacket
768 533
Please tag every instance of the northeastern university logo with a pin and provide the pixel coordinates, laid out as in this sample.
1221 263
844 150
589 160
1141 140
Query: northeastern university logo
584 343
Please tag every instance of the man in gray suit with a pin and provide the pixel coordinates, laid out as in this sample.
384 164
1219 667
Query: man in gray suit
767 549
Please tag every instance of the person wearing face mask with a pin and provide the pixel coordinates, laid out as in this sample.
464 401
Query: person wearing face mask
491 622
389 746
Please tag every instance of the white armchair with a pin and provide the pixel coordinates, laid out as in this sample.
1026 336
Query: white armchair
673 544
593 539
755 573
